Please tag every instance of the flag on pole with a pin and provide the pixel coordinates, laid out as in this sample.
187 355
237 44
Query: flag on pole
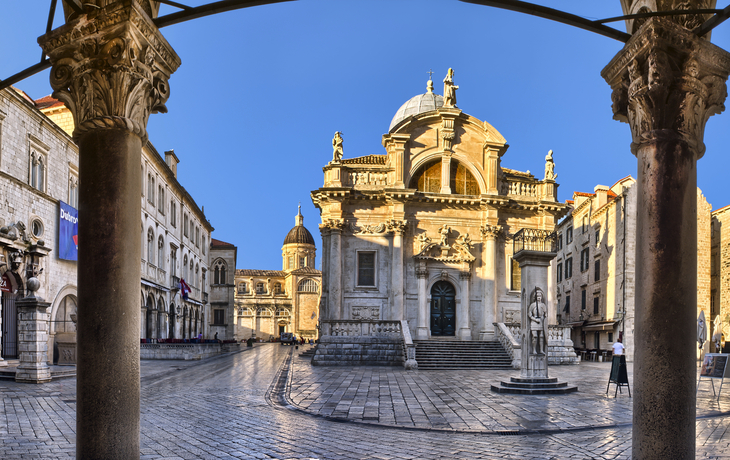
184 289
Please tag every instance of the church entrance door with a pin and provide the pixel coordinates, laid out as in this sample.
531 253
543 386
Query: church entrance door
443 309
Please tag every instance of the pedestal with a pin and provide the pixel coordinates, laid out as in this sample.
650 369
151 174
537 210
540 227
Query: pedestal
33 341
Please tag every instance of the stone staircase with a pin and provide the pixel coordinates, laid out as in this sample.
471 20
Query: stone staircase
457 354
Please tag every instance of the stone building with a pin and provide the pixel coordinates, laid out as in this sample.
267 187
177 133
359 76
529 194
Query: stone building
270 302
720 284
38 172
424 232
39 180
596 263
223 257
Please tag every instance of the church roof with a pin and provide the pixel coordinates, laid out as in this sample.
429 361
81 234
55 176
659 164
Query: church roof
366 160
299 234
220 244
422 103
306 271
267 273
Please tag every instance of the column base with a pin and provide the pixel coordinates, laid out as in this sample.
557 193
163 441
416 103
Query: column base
3 363
34 374
422 333
464 334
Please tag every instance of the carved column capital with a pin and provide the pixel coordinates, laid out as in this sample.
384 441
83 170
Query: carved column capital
464 275
491 231
421 272
331 225
667 83
397 227
111 68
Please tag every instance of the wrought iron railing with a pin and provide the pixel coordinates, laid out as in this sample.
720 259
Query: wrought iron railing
532 239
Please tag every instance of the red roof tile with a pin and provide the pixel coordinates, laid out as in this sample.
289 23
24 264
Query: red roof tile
220 244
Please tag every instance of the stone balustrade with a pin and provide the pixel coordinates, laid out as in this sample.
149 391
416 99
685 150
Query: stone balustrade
505 336
361 328
522 188
409 348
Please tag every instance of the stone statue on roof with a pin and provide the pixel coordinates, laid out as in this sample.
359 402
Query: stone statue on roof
450 89
550 167
337 147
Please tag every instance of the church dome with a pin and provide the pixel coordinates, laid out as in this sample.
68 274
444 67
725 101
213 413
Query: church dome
422 103
299 234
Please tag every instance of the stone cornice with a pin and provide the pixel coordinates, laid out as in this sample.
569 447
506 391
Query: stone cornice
110 68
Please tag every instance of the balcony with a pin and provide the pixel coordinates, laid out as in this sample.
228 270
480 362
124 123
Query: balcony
174 282
532 239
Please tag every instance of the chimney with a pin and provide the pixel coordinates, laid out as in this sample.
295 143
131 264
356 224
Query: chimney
172 160
601 195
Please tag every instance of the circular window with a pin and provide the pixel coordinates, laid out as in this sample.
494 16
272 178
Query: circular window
37 228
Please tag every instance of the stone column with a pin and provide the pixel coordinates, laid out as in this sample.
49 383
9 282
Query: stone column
33 341
446 172
424 328
335 269
324 312
534 277
666 83
463 312
490 313
398 227
110 68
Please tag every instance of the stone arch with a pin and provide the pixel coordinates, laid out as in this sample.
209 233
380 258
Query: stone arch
151 317
171 322
432 157
67 290
161 319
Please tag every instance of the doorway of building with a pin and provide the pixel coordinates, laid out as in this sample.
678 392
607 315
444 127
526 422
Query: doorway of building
282 329
10 326
443 309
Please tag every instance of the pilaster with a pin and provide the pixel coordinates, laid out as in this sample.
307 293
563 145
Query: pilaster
463 314
33 341
490 313
395 145
423 330
398 228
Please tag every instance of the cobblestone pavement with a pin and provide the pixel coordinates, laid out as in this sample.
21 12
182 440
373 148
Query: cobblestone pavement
258 404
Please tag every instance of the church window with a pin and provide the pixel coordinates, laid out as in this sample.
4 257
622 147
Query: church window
282 312
277 288
429 178
568 267
173 213
308 285
242 287
366 268
260 288
73 190
219 317
302 261
515 276
150 246
245 312
290 264
462 181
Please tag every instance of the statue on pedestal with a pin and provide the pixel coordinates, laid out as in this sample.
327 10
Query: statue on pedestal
337 147
550 167
445 230
450 89
537 314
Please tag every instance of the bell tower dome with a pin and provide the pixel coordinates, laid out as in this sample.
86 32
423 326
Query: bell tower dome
299 250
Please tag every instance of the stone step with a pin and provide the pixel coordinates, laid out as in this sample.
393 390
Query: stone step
461 354
534 386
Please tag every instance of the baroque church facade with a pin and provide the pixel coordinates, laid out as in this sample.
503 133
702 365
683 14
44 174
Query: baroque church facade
424 232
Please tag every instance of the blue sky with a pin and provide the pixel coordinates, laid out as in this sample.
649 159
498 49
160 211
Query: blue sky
261 91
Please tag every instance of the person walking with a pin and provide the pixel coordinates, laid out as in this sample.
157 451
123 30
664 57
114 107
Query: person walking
618 348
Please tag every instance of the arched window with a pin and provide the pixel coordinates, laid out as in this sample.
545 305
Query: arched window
428 179
150 188
282 312
37 170
185 224
173 262
265 312
245 312
161 252
219 272
308 285
462 181
242 288
151 246
185 267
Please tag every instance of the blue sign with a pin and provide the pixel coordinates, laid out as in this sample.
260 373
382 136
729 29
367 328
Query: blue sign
68 232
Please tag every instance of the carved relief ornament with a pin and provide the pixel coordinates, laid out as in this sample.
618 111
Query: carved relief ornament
491 231
458 251
111 68
667 83
397 226
332 224
367 229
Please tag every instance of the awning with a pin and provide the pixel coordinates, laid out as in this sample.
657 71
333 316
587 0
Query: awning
155 285
602 326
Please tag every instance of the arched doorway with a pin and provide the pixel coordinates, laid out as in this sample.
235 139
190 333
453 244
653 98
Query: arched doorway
171 322
151 316
443 309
